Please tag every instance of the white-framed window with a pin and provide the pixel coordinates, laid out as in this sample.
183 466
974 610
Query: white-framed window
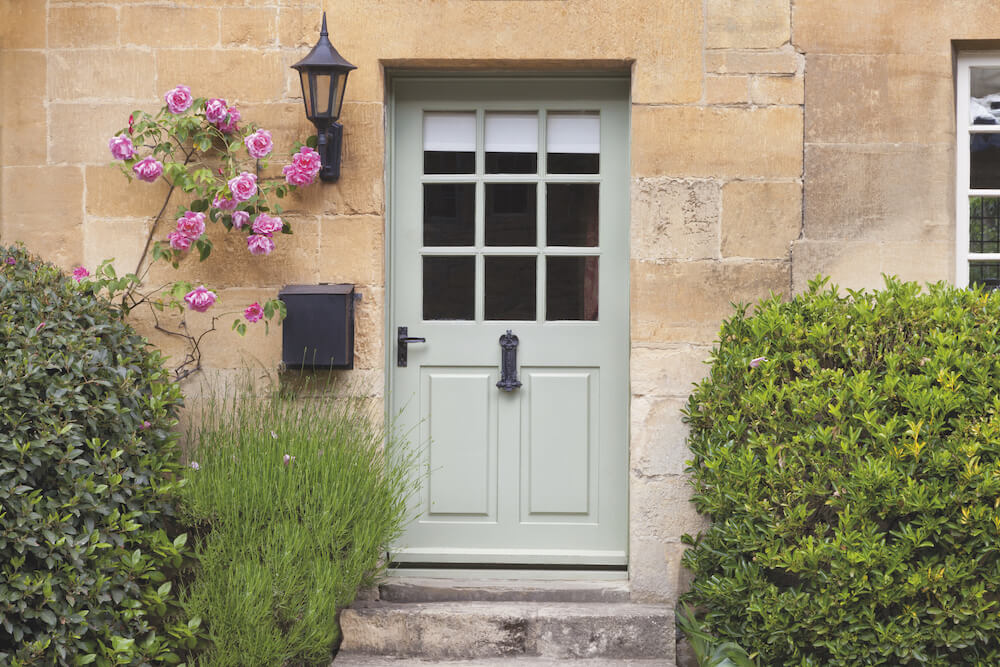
977 185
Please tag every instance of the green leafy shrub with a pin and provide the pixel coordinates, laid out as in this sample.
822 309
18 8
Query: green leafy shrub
852 472
295 504
86 462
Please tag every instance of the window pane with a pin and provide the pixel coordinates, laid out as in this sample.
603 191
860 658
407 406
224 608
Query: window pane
571 212
571 288
984 224
449 142
984 163
573 143
984 102
449 214
511 143
510 288
511 214
986 274
449 288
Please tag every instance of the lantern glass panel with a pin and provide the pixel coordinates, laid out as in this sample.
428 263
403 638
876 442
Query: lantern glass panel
323 97
307 96
338 98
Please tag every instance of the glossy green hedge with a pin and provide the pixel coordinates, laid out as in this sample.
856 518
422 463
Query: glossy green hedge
86 448
853 479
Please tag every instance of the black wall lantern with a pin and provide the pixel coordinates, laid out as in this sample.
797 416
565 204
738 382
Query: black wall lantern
323 74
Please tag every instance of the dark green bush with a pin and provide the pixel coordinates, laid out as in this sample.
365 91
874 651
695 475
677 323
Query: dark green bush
86 455
853 478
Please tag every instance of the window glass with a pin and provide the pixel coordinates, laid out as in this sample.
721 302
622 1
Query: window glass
449 142
511 143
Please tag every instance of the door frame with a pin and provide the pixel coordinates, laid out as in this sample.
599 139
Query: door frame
393 76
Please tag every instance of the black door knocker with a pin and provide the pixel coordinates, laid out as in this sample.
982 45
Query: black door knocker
508 362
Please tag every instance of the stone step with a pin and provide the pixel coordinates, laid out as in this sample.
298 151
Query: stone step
344 660
412 589
567 631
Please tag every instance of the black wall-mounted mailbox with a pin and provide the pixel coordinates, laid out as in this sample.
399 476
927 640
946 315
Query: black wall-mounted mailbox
318 330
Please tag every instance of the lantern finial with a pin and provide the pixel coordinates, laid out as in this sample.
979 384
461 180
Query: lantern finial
323 31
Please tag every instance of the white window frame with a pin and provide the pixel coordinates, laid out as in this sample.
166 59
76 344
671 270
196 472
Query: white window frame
964 130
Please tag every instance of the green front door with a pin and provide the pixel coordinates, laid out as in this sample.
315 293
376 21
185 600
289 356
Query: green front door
509 213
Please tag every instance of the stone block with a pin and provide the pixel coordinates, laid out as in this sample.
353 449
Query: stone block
655 570
251 27
717 142
919 261
669 371
120 240
872 99
849 264
880 191
23 130
727 89
660 507
788 89
726 61
236 75
170 27
298 28
22 24
104 74
224 348
82 26
369 329
43 207
760 219
294 260
659 437
111 195
687 301
675 219
737 24
80 131
352 250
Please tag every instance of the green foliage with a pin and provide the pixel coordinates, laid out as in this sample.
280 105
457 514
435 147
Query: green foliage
87 460
295 503
709 651
853 478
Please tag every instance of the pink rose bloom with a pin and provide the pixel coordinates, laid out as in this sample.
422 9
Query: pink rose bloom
254 312
179 99
148 169
121 147
266 225
259 143
79 273
178 241
229 125
240 218
304 168
216 110
200 299
223 203
259 245
300 177
243 186
191 225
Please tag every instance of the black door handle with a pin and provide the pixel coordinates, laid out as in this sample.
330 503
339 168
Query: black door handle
402 340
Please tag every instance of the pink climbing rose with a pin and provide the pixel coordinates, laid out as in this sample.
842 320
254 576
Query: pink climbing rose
228 126
191 224
148 169
200 299
258 244
259 144
240 218
178 241
216 110
223 203
79 273
304 168
243 186
179 99
253 312
266 225
121 147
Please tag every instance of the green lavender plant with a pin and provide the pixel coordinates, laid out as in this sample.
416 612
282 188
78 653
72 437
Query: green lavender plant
294 501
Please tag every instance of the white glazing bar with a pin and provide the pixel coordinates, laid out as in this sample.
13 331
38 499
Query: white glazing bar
962 176
983 257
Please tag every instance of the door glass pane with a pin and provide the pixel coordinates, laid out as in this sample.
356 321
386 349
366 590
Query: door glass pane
511 143
449 288
984 224
449 142
986 274
510 288
984 163
571 214
573 143
449 214
511 213
571 288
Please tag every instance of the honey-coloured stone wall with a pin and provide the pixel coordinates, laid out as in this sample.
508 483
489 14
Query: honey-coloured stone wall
717 127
